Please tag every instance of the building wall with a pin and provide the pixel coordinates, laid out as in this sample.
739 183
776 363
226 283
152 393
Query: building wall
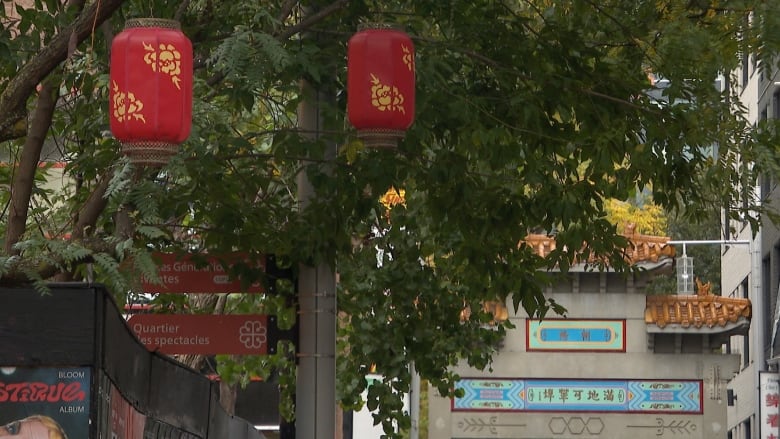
638 362
745 405
754 275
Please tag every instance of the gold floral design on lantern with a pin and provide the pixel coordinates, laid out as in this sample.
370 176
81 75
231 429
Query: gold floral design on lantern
408 57
126 105
168 58
385 97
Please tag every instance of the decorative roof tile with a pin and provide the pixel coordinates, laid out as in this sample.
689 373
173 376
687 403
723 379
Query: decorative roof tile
703 312
695 312
495 307
676 313
642 248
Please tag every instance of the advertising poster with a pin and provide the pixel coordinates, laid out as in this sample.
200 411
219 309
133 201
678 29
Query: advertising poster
45 402
126 422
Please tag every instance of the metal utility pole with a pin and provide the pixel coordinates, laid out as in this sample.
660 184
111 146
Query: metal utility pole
414 403
315 412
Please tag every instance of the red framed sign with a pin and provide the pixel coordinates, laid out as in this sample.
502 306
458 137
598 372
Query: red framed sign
206 334
199 274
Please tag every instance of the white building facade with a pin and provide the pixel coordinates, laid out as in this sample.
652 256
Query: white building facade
754 272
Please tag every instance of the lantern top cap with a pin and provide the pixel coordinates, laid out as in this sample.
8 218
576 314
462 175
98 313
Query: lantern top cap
152 22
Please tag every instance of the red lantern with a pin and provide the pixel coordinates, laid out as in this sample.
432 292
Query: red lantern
151 89
380 85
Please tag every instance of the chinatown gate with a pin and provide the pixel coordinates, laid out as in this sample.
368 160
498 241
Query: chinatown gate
621 364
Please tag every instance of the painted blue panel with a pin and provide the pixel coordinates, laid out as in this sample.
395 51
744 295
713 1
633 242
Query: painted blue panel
562 395
576 335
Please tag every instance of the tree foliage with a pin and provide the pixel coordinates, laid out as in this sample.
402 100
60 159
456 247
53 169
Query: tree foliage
530 116
647 217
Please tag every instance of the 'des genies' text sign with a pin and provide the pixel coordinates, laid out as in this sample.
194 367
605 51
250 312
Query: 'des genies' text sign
206 334
182 274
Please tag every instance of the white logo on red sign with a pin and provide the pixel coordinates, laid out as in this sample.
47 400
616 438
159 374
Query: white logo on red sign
252 334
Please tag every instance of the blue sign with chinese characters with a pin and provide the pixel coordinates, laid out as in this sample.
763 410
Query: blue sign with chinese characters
576 335
561 395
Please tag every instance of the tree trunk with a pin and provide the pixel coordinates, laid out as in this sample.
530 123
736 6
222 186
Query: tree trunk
24 174
227 396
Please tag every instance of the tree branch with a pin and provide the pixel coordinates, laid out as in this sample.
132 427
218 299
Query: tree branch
181 10
14 96
286 10
290 31
24 175
85 219
88 215
17 275
312 19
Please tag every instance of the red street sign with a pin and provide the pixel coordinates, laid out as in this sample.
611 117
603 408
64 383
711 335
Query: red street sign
180 274
207 334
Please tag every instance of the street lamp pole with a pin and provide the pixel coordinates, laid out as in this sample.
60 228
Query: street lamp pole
709 241
315 405
685 276
759 337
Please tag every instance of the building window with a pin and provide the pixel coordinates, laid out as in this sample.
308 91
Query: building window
766 184
775 272
769 309
745 191
745 52
740 344
726 224
776 105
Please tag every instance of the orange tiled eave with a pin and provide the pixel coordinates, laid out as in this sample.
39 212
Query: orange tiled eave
696 311
641 248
